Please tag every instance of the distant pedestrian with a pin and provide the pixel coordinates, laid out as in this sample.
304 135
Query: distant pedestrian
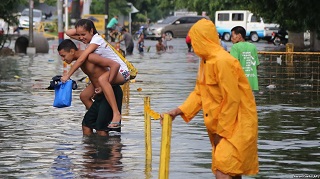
141 44
247 54
223 44
164 41
188 42
160 47
115 36
113 23
128 41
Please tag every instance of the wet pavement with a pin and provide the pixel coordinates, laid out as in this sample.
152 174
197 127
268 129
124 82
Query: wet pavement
40 141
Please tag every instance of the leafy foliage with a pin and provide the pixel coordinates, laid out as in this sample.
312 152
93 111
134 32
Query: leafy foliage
7 13
116 7
294 15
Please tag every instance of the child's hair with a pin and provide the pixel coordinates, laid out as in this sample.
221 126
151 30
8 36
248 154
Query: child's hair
67 45
87 24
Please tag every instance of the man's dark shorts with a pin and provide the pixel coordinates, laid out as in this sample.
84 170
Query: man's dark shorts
100 113
129 49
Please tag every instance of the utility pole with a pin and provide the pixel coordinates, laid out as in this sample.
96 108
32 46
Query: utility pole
106 10
31 23
66 14
60 21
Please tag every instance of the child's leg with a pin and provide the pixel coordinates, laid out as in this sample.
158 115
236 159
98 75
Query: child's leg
86 95
109 94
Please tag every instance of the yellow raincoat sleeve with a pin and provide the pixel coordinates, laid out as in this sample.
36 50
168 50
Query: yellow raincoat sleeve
229 106
192 105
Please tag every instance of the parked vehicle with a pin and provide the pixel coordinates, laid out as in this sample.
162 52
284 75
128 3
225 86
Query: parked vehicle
173 26
24 18
280 37
255 27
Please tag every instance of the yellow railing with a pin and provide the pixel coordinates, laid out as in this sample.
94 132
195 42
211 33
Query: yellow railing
289 72
165 140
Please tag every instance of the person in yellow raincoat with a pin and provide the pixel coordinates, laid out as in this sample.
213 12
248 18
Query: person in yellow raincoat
223 92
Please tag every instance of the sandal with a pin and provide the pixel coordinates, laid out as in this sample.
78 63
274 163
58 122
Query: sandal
115 125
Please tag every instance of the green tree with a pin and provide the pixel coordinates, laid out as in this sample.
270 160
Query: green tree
116 7
296 16
152 10
209 6
7 13
36 2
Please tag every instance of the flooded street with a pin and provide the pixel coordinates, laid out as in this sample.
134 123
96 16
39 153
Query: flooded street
40 141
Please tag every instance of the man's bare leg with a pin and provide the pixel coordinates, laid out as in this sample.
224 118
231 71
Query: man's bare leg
87 131
102 133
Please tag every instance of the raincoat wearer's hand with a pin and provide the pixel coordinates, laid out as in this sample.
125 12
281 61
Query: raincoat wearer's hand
173 113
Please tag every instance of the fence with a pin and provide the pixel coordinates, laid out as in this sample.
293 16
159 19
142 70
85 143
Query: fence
290 72
165 139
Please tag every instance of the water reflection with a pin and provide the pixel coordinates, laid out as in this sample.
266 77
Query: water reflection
62 165
102 156
39 141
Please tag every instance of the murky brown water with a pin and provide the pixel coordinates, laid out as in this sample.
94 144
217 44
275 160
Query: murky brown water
40 141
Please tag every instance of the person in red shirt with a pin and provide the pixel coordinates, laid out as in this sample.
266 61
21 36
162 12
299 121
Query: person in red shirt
188 42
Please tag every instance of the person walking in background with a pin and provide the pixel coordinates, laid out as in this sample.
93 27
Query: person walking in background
113 23
141 43
114 36
160 47
222 43
223 93
188 42
128 41
247 54
164 41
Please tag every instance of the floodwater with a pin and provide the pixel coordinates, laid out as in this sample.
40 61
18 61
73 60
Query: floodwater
40 141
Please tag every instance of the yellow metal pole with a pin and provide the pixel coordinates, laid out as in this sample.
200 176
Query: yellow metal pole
289 59
147 129
165 147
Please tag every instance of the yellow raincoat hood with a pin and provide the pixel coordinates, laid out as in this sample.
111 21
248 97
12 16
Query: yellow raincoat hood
224 95
204 38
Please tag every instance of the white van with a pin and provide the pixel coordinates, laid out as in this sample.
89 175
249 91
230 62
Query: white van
255 27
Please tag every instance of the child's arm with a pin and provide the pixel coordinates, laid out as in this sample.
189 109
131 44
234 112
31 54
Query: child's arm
79 61
72 33
105 62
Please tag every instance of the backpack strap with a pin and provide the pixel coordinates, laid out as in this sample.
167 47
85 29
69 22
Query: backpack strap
133 70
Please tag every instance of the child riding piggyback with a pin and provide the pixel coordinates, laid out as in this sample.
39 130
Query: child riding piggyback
86 32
